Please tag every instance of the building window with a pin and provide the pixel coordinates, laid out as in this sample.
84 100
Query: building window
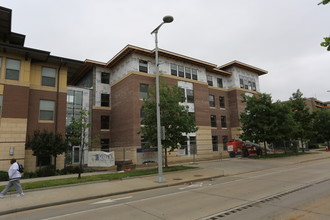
1 97
213 121
193 145
74 103
241 83
144 91
215 143
209 80
105 122
224 141
211 101
174 69
222 101
143 66
254 87
46 110
105 145
220 83
105 78
12 69
76 154
188 72
194 74
48 76
181 71
223 121
190 96
105 100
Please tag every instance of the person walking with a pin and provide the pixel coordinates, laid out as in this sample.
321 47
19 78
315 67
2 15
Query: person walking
14 176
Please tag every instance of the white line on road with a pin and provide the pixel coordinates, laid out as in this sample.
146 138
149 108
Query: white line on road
111 200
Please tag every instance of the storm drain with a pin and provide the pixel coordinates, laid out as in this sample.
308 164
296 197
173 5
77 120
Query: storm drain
252 204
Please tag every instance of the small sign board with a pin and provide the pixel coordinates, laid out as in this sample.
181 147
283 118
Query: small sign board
147 155
101 159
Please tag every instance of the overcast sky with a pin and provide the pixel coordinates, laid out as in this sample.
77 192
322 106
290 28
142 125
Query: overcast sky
280 36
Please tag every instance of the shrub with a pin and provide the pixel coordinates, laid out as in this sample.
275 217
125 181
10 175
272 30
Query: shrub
46 171
70 169
3 176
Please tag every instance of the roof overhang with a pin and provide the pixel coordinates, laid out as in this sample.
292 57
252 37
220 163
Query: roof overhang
243 66
130 49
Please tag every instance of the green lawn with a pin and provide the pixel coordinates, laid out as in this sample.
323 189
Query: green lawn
279 155
98 177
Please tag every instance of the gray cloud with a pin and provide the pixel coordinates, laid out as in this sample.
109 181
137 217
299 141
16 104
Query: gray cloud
280 36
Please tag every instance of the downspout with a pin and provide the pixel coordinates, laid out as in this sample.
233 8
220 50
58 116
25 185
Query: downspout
57 102
57 95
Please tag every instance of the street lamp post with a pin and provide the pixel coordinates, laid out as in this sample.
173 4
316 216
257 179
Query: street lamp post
160 179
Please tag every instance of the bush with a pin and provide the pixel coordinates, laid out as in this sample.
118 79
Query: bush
70 170
3 176
28 175
46 171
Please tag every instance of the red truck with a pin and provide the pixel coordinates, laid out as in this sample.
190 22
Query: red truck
244 148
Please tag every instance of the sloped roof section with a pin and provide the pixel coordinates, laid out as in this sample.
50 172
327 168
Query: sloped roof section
243 66
5 29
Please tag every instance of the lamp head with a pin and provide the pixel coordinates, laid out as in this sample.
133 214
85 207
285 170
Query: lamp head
168 19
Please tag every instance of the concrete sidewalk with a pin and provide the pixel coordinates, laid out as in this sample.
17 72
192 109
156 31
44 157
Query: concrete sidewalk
207 170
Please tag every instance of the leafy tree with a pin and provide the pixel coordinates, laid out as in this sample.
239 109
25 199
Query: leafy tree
302 117
321 124
282 124
77 135
324 2
326 42
47 143
257 119
175 118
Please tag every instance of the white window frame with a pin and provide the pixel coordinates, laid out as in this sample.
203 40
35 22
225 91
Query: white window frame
48 73
50 108
9 63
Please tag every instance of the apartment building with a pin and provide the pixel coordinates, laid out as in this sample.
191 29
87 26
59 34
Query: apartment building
33 93
313 104
213 94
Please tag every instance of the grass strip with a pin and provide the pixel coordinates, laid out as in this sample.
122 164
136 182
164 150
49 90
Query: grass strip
97 177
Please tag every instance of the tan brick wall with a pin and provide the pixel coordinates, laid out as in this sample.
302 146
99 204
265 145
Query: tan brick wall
12 134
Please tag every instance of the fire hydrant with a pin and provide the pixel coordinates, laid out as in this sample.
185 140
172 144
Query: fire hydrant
326 149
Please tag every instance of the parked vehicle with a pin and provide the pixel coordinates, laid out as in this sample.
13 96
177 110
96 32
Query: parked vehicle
244 148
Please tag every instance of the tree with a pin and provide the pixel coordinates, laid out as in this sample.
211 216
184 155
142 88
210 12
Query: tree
257 119
77 136
283 125
326 42
302 117
46 143
321 124
175 118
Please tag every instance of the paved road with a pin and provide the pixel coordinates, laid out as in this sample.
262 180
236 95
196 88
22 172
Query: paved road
206 199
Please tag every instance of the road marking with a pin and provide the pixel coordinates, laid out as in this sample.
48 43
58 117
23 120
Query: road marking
192 186
111 200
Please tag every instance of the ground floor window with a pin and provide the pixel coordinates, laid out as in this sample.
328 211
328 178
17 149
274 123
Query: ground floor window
76 154
215 143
